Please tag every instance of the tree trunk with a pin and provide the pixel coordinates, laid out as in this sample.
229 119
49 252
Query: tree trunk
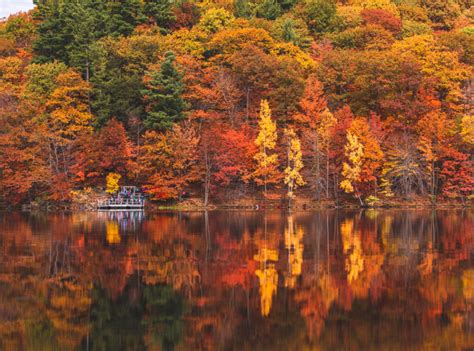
290 185
265 174
318 169
358 196
87 71
336 182
207 180
433 176
360 200
327 174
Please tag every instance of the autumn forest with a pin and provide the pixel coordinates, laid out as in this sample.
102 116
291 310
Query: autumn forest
368 102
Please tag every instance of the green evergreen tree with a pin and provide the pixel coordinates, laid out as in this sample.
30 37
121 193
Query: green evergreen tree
286 5
125 15
242 9
320 14
52 32
292 30
115 92
160 12
163 94
101 84
269 9
86 21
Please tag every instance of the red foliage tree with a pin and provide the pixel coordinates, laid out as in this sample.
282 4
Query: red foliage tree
186 15
97 154
232 154
383 19
457 175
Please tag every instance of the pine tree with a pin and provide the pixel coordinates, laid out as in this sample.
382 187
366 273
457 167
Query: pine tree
102 83
267 161
319 14
51 31
242 9
269 9
163 95
117 91
86 23
125 15
160 12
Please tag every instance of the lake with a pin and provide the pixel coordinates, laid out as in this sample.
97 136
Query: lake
238 280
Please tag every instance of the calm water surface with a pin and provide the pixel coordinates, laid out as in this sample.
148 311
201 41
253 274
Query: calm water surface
329 280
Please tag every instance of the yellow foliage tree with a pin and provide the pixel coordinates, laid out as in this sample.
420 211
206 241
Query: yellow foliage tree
467 129
324 131
442 65
351 170
293 177
68 107
386 5
373 155
215 19
267 162
112 182
386 184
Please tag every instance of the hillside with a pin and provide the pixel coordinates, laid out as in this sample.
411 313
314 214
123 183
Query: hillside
365 100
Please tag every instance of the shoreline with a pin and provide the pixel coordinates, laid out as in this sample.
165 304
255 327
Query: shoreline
272 206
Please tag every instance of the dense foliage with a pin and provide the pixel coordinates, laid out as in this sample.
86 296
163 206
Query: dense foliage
365 99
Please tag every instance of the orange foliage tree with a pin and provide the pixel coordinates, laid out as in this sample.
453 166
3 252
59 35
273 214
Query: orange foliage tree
66 117
169 162
317 123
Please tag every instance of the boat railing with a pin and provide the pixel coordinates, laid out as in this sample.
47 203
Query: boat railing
121 202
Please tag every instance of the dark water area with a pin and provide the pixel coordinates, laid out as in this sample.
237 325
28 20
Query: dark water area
327 280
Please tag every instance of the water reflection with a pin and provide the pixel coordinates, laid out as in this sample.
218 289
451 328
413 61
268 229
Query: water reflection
237 280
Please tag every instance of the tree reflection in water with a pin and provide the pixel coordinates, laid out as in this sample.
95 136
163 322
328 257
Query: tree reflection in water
237 280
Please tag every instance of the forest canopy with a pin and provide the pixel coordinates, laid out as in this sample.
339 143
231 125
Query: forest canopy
359 99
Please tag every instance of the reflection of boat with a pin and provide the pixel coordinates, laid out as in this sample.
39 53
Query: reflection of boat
129 197
126 220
